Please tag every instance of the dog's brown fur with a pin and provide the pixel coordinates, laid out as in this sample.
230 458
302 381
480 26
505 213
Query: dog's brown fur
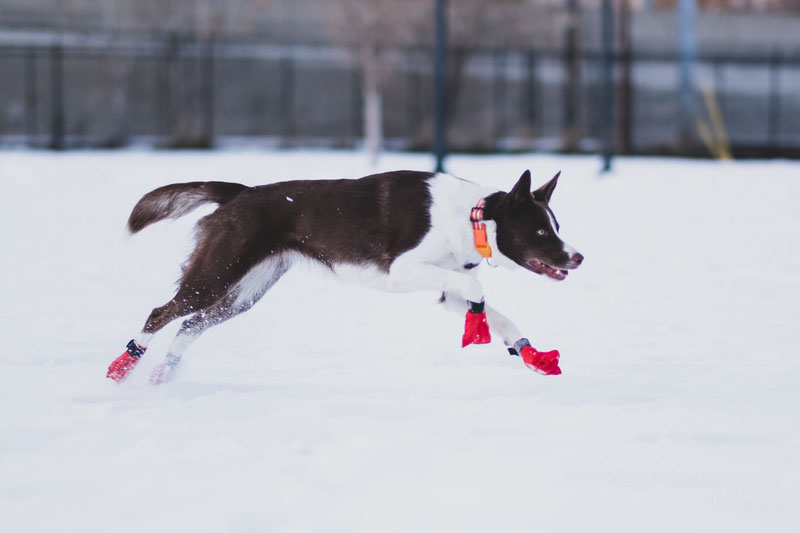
329 221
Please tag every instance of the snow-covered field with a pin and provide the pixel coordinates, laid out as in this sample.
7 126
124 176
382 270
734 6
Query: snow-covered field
331 407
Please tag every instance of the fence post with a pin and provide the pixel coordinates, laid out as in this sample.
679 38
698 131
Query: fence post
56 97
410 95
719 85
356 106
161 95
440 86
774 101
288 130
533 96
499 97
625 89
173 91
571 134
209 92
31 91
686 11
607 112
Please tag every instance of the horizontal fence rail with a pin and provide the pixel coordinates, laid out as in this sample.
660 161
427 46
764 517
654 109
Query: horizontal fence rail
178 91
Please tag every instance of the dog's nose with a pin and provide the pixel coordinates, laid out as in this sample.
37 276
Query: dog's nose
576 258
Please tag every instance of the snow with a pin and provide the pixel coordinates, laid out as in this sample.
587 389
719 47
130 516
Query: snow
332 407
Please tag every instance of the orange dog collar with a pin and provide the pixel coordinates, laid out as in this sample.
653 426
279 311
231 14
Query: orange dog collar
479 229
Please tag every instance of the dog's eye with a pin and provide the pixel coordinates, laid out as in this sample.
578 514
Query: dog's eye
541 232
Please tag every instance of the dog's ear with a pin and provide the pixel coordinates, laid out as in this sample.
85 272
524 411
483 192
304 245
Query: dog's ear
544 192
522 188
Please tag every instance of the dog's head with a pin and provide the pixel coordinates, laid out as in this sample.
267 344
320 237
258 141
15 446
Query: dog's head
527 230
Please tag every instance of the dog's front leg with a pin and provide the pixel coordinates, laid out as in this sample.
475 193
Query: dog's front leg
498 322
421 276
410 275
541 362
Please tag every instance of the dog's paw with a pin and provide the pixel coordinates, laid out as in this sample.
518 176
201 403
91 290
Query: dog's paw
162 374
541 362
476 329
166 371
121 367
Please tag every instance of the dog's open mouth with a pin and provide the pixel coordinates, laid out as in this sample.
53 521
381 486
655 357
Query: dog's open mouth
546 270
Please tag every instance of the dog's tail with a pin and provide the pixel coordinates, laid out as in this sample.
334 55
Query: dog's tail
178 199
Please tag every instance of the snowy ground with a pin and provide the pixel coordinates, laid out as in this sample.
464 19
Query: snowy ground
330 407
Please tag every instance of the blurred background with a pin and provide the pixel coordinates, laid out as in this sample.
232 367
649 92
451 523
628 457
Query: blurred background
687 77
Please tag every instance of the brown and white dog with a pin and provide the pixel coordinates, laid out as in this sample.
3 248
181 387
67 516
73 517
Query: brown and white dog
407 230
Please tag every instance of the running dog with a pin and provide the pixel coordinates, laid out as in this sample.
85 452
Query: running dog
403 230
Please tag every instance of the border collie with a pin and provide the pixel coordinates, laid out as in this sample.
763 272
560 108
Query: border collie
409 230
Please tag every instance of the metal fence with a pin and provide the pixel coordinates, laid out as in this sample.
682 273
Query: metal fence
179 92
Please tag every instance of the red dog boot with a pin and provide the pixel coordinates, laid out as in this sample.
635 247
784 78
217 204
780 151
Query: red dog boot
476 330
540 362
122 365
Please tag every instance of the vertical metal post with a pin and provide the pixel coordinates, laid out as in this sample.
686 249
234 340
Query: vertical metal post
161 93
440 86
286 97
499 97
571 92
687 53
209 92
31 93
607 111
173 90
719 85
774 101
625 88
532 96
409 118
356 120
413 92
56 98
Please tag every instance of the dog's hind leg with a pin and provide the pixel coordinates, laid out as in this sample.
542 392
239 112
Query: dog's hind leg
194 294
225 253
185 302
241 297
